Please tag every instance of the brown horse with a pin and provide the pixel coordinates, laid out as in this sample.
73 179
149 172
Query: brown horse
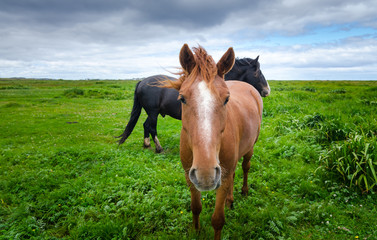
220 124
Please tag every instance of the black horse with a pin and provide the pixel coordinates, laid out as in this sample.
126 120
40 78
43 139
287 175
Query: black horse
164 101
248 70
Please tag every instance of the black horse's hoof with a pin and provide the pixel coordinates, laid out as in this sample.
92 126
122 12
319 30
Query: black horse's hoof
146 146
159 150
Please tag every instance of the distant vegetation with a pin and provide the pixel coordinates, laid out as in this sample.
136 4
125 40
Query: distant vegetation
63 176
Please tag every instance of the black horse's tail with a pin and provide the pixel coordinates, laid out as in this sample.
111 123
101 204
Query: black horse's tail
135 114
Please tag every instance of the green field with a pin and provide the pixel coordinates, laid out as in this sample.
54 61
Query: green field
63 176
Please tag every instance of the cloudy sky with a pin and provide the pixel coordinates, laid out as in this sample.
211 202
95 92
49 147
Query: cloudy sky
114 39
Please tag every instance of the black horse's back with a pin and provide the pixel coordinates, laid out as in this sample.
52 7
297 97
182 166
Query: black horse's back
169 104
149 91
155 98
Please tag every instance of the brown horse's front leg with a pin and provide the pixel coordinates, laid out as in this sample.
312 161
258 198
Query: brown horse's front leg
218 217
230 199
196 204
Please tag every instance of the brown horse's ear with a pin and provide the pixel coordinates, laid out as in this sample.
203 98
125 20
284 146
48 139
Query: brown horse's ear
226 62
186 58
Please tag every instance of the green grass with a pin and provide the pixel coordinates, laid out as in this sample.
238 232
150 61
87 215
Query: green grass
63 176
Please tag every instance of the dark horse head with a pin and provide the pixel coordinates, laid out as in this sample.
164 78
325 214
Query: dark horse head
248 70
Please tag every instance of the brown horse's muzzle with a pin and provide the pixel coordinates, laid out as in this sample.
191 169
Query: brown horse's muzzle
205 179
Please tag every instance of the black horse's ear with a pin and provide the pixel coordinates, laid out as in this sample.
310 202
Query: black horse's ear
186 58
226 62
256 63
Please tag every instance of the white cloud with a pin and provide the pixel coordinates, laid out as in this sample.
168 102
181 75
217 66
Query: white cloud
351 60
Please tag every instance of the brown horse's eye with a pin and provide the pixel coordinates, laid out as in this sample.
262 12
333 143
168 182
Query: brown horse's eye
226 101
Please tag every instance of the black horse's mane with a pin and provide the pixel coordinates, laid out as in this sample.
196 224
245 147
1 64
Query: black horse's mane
243 61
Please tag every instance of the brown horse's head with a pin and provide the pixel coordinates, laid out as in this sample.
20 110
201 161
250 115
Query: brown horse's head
204 95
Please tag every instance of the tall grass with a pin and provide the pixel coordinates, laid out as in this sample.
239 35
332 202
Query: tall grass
355 160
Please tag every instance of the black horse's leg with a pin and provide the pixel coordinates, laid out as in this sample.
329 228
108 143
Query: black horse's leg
153 131
147 127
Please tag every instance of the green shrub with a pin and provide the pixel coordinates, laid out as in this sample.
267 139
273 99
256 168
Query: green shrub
309 89
94 93
73 92
354 161
19 86
313 120
12 105
100 94
339 91
332 130
368 102
327 130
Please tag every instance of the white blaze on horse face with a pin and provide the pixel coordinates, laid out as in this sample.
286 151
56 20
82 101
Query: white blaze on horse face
205 104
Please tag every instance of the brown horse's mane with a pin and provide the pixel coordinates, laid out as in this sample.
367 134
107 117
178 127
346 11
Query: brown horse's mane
205 68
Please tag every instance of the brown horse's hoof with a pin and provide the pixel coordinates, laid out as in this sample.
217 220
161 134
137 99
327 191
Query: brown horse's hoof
146 146
230 205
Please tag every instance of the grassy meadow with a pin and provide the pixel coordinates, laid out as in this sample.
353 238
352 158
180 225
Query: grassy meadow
63 176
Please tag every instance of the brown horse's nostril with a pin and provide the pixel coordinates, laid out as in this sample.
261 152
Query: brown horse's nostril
192 176
217 174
